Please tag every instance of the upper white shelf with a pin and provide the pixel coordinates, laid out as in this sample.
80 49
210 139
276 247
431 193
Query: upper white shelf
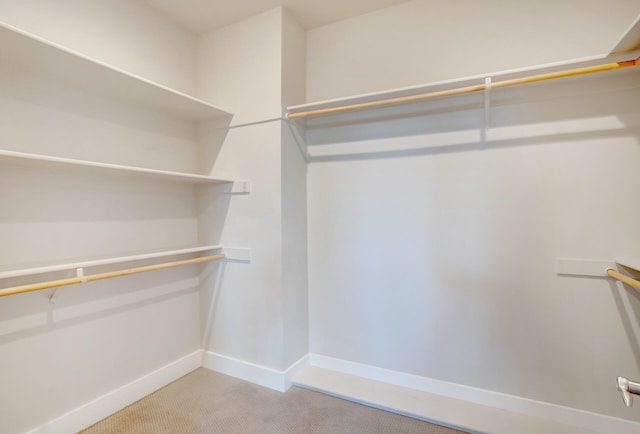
464 99
21 49
35 160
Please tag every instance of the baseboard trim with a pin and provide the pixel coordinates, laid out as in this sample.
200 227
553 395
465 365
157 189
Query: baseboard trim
544 411
407 388
104 406
258 374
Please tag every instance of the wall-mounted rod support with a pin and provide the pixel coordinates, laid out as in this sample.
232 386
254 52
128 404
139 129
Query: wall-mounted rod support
628 388
101 276
465 90
624 278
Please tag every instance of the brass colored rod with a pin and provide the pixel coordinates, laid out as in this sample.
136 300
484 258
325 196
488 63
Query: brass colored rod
623 278
100 276
464 90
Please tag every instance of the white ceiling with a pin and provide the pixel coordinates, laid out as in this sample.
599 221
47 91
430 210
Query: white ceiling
200 16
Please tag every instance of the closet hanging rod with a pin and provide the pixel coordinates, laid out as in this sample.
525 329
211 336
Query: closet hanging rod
100 276
623 278
465 89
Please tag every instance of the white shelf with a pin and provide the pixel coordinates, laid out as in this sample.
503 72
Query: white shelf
21 49
35 160
464 99
105 260
630 40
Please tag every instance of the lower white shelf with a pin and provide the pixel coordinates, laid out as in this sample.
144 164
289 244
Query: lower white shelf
91 262
36 160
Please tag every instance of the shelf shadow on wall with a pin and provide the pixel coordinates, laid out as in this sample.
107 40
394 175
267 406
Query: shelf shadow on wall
593 109
37 313
473 146
94 127
211 136
211 277
627 301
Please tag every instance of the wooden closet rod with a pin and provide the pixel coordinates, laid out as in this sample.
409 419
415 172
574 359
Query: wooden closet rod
100 276
464 90
623 278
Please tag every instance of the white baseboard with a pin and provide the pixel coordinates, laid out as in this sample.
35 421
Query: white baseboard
258 374
458 406
96 410
483 403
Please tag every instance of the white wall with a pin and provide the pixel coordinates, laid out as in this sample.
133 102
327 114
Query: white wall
294 199
99 336
257 313
93 338
239 67
432 251
122 33
425 41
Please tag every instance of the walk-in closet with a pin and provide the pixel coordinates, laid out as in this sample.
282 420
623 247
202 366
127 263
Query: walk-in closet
426 207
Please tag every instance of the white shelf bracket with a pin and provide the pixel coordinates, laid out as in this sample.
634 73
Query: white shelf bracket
80 274
54 291
241 187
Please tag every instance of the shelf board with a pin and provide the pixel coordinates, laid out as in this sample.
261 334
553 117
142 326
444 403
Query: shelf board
459 83
21 49
103 260
35 160
630 40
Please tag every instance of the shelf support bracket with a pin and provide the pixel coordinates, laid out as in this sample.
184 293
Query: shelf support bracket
54 291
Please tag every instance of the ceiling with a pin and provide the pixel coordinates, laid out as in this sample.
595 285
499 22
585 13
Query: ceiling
200 16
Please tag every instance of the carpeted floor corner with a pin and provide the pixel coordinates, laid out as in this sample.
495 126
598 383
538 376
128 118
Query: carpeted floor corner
208 402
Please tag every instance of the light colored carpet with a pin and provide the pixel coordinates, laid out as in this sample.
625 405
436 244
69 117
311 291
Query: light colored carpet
208 402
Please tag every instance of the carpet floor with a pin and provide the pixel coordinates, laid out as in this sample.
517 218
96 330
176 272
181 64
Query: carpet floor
208 402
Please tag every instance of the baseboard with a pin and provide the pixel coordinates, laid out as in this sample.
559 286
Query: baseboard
410 386
258 374
96 410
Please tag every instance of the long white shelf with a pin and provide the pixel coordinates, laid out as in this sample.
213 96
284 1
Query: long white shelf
24 50
36 160
105 260
469 98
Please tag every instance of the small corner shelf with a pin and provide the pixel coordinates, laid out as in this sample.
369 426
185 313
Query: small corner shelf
36 160
106 260
24 50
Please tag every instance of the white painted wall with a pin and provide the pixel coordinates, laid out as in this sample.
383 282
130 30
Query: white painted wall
432 251
122 33
100 336
424 41
257 313
294 199
239 67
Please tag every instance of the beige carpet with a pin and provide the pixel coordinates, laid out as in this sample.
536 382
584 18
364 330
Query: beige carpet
207 402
